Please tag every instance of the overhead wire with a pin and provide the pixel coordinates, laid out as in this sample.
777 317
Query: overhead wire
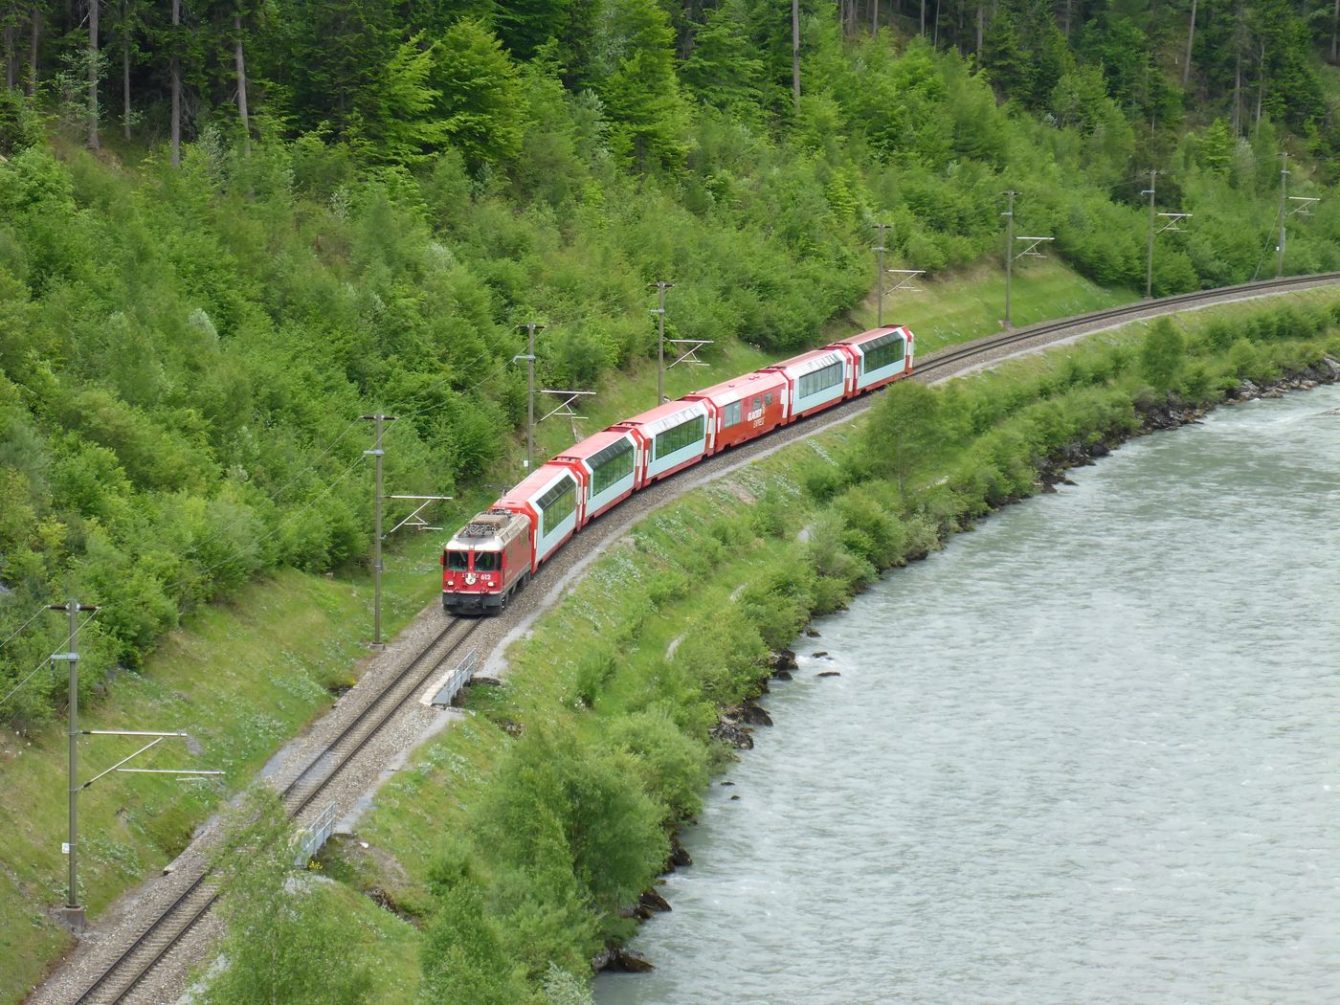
37 669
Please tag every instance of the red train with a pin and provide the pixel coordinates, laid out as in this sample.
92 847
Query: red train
494 555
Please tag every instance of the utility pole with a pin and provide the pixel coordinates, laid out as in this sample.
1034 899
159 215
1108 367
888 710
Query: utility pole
1284 204
377 453
661 288
1149 258
531 328
879 275
74 913
1009 255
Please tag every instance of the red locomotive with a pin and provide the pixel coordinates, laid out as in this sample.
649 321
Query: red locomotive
494 555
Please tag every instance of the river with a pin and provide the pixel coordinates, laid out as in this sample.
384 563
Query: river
1089 753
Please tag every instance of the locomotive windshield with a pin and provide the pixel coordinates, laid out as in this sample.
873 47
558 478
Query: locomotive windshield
458 561
486 561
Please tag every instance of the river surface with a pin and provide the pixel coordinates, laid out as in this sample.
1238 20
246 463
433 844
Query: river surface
1089 753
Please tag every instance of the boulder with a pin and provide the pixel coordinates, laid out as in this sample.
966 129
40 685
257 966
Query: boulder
653 901
755 715
621 960
784 659
730 732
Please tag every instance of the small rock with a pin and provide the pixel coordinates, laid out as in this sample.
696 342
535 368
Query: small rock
782 674
811 633
733 798
822 654
830 673
727 783
784 659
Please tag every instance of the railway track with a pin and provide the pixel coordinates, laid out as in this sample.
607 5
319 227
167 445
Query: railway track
948 359
119 978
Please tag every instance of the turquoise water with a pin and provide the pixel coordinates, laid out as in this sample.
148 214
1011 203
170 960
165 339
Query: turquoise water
1088 753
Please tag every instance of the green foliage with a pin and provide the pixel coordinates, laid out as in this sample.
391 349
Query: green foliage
481 98
904 431
1162 355
282 943
673 767
565 804
19 125
636 79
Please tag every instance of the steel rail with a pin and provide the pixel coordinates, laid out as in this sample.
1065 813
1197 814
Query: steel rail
194 902
1164 305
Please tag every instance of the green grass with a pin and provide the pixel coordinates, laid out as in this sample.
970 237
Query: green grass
964 307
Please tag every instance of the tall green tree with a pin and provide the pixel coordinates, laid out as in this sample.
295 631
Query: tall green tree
636 80
480 99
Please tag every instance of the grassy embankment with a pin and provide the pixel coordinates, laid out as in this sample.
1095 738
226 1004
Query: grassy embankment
245 676
674 622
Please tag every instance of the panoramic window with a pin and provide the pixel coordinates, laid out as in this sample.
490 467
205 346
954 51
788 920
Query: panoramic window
557 504
610 466
883 351
820 380
733 414
681 436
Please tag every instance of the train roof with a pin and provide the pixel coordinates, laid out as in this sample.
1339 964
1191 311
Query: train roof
488 531
667 416
808 362
533 485
739 387
593 444
872 335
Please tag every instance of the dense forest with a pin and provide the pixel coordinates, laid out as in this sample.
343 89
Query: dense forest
227 231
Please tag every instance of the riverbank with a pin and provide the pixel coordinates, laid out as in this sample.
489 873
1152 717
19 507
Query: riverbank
612 701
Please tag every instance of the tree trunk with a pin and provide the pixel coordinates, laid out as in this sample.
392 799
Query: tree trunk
923 17
93 6
125 68
795 53
9 57
242 87
874 17
1335 33
35 36
981 14
176 86
1190 39
1237 95
1260 86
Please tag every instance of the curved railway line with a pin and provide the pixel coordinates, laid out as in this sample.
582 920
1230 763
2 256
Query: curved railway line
115 981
